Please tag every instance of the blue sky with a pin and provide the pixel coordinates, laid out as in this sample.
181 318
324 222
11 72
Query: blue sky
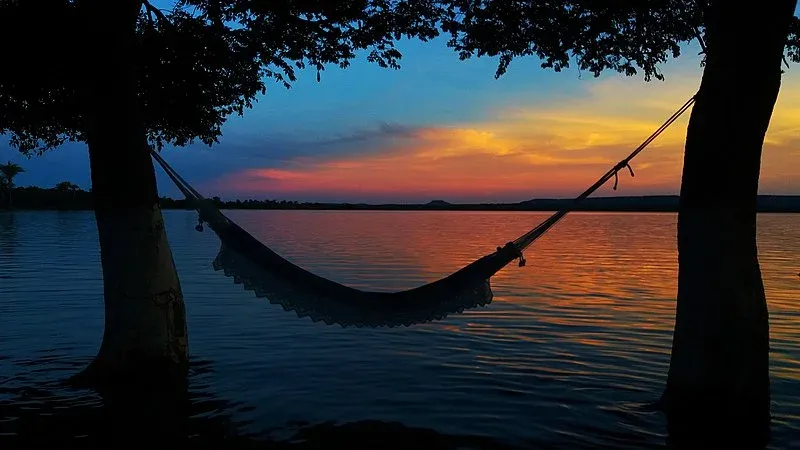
432 87
317 140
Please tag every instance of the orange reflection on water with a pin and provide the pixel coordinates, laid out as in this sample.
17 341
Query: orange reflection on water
602 280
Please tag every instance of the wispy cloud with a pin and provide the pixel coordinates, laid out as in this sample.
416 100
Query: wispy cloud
513 152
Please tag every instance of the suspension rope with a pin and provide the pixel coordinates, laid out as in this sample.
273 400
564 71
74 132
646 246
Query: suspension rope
522 242
186 189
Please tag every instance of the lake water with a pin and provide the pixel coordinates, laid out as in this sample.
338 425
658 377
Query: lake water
567 355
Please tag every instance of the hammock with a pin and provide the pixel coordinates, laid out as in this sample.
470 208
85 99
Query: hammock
269 275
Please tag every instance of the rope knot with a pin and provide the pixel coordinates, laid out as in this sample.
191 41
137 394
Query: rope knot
619 167
515 251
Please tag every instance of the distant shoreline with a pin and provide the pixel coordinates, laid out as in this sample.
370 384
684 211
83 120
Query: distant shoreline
35 198
666 204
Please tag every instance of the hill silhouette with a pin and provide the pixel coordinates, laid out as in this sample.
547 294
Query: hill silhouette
437 203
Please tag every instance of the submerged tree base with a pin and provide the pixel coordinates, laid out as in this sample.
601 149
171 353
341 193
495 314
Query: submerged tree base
147 403
144 373
148 400
713 417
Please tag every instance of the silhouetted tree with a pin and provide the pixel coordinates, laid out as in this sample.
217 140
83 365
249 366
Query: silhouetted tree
719 365
117 75
8 172
68 189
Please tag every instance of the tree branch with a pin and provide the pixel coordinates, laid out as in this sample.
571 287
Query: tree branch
159 14
701 41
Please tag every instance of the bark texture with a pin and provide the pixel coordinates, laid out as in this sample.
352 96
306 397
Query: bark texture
718 383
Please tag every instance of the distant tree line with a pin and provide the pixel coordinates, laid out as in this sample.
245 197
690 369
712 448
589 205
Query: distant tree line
64 195
69 196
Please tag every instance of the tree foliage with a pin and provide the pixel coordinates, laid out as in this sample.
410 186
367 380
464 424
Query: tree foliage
204 60
66 186
627 36
8 172
196 64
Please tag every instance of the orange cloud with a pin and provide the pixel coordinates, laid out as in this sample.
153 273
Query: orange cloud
439 162
520 152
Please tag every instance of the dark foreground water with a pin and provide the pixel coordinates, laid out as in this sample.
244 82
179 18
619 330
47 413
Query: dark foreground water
568 355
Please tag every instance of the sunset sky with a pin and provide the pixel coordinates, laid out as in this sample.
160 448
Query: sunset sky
440 128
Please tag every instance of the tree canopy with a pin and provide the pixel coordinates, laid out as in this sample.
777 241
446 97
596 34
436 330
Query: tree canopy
196 64
203 60
8 172
628 36
66 186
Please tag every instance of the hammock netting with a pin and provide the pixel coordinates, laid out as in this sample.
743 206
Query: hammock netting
261 270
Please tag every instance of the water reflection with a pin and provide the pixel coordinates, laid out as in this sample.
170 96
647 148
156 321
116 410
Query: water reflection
53 415
602 280
568 355
8 234
600 284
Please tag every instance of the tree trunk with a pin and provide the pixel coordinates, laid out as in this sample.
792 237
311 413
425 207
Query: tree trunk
145 324
718 383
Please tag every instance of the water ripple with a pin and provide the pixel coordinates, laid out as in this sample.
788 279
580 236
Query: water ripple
566 356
